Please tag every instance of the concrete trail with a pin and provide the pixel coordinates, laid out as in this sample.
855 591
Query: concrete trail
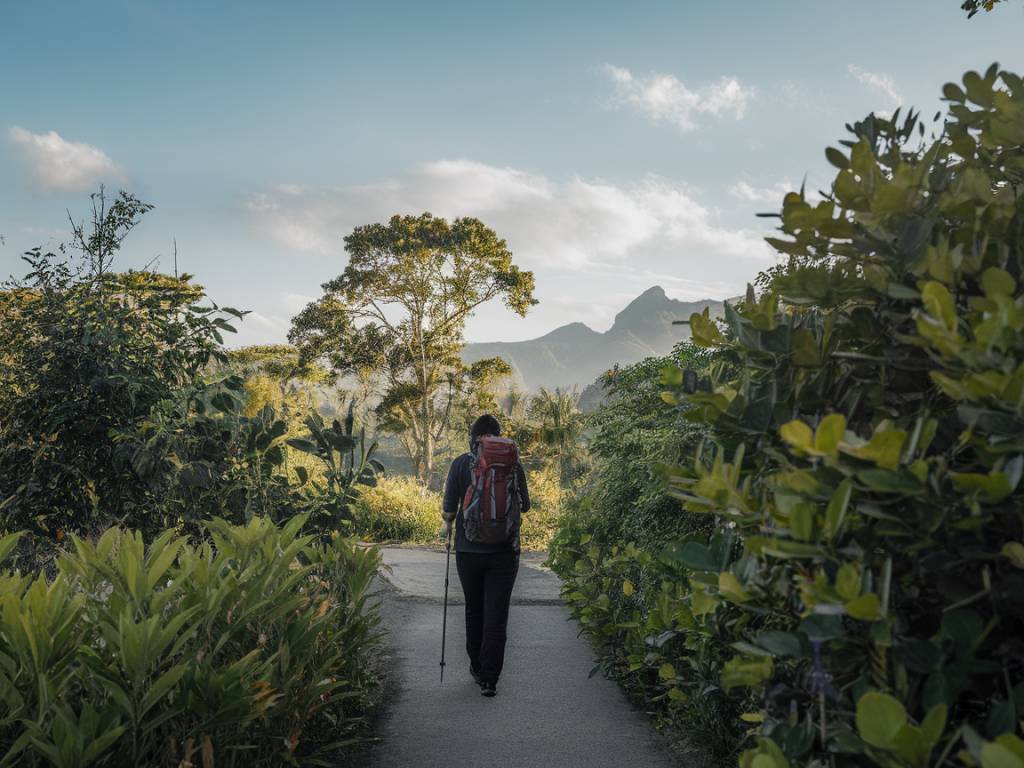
547 713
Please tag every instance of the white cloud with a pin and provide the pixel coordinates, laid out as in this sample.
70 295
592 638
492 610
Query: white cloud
571 225
665 98
296 302
879 81
589 241
773 193
56 164
741 190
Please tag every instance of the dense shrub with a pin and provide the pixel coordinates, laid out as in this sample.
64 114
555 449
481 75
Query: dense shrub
869 453
118 404
401 509
397 509
546 499
861 461
630 601
248 649
623 498
85 354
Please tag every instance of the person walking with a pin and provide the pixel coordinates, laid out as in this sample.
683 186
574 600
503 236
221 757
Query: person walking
485 496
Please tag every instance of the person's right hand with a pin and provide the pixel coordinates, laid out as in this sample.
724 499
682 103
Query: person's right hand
446 529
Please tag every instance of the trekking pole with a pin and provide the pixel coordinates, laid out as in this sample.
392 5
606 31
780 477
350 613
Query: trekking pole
444 621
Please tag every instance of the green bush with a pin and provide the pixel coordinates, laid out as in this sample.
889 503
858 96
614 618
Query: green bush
249 649
397 509
623 497
869 454
85 354
630 602
402 509
860 458
546 499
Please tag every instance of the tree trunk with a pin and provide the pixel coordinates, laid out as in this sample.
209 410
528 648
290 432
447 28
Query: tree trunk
427 463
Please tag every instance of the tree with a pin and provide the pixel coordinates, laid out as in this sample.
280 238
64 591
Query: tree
560 428
399 311
973 6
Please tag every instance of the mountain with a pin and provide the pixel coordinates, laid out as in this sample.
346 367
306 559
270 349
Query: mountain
575 354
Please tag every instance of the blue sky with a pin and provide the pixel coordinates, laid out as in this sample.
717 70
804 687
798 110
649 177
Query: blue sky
614 145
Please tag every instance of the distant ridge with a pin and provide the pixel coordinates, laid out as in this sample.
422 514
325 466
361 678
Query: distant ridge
575 354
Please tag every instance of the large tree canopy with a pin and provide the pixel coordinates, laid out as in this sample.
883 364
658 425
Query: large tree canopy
973 6
398 313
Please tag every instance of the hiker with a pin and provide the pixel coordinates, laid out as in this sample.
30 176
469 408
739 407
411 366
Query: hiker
485 495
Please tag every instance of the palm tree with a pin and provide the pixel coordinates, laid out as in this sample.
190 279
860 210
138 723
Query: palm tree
560 428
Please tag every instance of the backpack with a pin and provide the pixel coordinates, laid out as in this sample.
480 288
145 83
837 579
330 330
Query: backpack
491 505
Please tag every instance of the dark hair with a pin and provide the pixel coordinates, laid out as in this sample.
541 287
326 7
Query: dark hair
485 425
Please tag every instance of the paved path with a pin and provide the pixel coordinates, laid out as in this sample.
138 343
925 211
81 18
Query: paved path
547 711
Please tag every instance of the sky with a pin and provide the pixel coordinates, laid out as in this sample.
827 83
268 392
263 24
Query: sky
615 146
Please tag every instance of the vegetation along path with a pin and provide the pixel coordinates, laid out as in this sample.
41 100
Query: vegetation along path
548 711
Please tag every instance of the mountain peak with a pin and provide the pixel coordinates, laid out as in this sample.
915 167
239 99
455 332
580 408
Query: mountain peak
647 308
570 331
654 292
576 354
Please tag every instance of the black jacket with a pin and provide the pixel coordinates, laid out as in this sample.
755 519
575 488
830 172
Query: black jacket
459 479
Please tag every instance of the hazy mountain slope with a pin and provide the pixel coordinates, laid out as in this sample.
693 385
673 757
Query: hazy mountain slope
576 354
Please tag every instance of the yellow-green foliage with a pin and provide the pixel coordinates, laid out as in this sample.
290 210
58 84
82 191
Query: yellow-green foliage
546 498
397 509
260 391
402 509
253 643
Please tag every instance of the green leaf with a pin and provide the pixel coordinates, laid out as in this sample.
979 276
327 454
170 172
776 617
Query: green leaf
867 607
830 433
934 723
837 158
884 448
848 581
822 627
780 643
886 481
1012 550
993 487
8 543
801 520
162 686
978 90
805 351
880 718
835 513
304 445
938 302
911 746
766 755
1007 751
731 589
703 602
704 331
691 554
996 281
953 92
740 672
671 376
797 434
667 672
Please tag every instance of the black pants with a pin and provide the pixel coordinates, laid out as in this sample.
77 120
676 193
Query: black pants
487 582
